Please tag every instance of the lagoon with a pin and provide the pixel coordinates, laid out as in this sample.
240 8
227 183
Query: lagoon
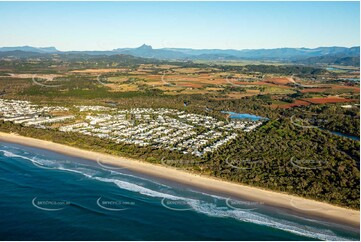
246 116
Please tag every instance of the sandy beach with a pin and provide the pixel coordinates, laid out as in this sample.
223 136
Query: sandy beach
294 204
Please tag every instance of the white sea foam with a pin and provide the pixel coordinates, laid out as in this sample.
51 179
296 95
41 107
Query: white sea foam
75 171
33 159
10 154
137 177
209 195
39 162
44 162
256 218
139 189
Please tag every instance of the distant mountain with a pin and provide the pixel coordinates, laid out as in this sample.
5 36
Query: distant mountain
331 60
271 54
79 56
21 54
280 54
30 49
146 51
333 55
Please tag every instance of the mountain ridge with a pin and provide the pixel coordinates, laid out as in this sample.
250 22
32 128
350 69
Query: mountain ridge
333 54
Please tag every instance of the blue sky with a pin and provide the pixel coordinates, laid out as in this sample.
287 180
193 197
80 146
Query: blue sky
224 25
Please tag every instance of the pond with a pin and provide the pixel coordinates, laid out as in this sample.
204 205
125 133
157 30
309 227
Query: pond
252 117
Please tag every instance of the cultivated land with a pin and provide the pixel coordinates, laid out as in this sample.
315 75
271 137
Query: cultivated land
162 111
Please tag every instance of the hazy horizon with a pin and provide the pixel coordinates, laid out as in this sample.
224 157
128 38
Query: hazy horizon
126 47
205 25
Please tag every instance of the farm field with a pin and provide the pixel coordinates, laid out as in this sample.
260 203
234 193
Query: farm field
214 82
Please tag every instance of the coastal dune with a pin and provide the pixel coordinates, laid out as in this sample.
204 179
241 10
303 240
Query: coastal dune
294 204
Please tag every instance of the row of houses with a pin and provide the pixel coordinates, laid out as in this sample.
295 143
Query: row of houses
23 112
160 128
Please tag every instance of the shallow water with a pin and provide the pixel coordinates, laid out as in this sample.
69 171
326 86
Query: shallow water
246 116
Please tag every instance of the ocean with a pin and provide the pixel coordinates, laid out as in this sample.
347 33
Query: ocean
51 196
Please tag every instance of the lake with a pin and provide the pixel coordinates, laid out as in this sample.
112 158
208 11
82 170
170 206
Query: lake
247 116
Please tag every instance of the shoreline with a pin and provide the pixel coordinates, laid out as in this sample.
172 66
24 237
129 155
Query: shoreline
299 205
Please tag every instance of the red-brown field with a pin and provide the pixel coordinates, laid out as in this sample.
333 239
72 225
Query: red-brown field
279 80
324 87
291 105
192 85
261 83
314 90
353 89
329 100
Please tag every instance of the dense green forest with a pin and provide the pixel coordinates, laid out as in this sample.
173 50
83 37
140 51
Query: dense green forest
307 162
